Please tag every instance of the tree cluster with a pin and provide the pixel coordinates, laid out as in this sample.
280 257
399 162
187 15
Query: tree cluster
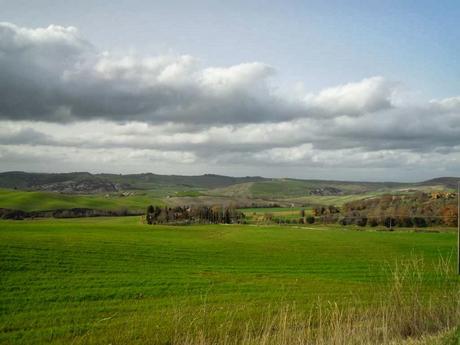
197 214
412 210
64 213
326 214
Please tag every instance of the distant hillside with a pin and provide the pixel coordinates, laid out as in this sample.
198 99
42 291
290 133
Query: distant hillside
77 182
296 187
208 184
86 183
448 182
206 181
289 188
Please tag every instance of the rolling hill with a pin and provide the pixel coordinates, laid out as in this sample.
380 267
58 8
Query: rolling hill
86 183
44 191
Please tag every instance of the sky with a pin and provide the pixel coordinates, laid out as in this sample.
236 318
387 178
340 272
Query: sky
345 90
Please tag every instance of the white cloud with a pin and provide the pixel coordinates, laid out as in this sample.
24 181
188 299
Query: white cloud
354 99
236 78
448 104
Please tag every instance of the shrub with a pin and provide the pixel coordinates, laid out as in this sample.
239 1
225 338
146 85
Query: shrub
373 222
389 222
420 222
361 221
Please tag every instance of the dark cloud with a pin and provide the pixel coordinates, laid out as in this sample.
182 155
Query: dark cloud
26 136
55 75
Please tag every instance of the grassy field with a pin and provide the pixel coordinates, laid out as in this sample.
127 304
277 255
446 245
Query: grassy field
39 201
297 188
118 281
294 192
336 200
287 188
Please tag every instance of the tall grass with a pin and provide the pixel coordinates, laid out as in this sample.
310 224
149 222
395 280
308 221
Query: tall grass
411 307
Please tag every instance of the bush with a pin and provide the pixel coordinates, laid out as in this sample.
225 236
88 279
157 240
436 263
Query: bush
389 222
373 222
361 221
420 222
346 221
150 209
405 222
14 214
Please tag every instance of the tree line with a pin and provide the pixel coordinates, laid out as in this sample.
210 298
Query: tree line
14 214
195 214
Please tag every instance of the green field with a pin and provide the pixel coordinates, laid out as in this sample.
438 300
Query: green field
64 278
336 200
297 188
39 201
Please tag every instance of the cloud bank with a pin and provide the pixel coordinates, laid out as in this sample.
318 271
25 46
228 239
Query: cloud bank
65 102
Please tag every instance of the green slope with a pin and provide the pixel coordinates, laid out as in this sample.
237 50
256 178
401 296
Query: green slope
291 188
38 201
296 188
